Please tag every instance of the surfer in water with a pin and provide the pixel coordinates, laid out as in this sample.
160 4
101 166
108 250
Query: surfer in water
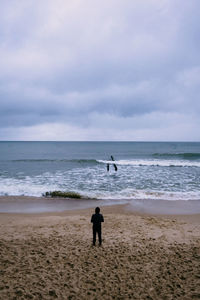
114 165
108 167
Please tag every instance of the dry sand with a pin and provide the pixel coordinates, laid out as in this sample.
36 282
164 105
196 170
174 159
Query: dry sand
49 256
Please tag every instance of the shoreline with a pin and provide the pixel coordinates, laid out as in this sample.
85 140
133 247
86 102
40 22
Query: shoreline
117 209
33 205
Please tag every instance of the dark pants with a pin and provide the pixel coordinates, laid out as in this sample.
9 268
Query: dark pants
96 230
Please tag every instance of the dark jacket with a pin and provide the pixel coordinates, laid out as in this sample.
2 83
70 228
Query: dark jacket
97 219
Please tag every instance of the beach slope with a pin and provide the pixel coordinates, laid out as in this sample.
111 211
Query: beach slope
50 256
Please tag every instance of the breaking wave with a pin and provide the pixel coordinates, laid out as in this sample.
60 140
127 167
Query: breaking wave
86 161
155 162
186 155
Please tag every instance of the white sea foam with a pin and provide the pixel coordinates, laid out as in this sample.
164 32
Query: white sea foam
27 187
30 187
153 162
94 181
129 194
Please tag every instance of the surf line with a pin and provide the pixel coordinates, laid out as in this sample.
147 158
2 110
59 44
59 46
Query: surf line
114 165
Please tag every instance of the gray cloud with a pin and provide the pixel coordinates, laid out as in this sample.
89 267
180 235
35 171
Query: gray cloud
132 67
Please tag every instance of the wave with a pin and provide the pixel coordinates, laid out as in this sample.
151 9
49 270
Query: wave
13 187
155 162
88 161
185 155
130 162
129 194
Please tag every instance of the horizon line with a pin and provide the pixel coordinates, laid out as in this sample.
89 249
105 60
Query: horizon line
104 141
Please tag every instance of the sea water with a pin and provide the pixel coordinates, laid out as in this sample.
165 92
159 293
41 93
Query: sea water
146 170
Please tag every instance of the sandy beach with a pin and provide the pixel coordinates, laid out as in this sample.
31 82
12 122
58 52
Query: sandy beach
143 256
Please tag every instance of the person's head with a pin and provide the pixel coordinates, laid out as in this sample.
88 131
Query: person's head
97 210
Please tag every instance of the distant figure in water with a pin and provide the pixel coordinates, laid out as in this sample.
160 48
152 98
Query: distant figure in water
97 219
114 165
108 167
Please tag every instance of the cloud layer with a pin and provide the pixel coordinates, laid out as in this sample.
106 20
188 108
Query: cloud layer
99 70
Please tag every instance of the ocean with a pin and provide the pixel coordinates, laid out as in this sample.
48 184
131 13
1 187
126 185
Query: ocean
146 170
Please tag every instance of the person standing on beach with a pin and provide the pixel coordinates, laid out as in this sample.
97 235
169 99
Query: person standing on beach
97 219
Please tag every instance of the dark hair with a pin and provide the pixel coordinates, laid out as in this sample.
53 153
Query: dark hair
97 210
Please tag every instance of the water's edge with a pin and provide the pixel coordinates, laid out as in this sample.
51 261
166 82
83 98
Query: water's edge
26 204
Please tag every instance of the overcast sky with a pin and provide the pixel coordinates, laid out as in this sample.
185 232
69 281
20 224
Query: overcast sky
100 70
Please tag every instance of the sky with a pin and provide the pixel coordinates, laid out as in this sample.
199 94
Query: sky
109 70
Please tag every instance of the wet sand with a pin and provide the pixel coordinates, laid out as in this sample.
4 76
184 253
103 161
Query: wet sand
49 256
28 204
